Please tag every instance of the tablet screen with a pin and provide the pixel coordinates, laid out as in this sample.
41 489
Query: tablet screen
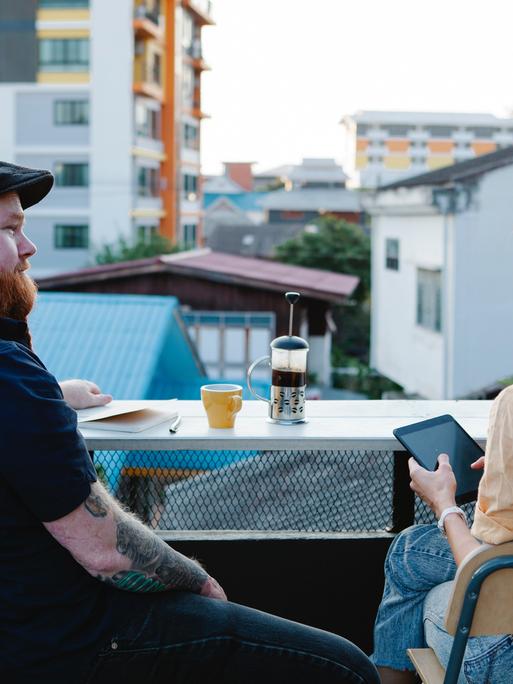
429 438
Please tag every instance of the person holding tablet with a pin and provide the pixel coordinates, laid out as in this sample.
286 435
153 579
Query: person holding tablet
422 561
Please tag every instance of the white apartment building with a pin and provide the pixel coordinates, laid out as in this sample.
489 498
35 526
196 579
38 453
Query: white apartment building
382 147
442 278
111 103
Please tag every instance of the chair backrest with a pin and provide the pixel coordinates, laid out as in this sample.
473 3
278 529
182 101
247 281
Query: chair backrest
494 610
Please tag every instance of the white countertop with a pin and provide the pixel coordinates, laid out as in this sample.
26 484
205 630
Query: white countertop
332 425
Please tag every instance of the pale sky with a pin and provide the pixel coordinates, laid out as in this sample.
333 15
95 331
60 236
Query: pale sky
284 72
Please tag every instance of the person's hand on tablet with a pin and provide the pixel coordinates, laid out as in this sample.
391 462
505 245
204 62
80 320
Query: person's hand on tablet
479 464
438 488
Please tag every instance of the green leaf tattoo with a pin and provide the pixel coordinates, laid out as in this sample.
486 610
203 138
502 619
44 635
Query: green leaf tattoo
136 581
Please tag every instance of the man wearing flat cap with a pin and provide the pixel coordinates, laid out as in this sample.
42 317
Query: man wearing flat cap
88 593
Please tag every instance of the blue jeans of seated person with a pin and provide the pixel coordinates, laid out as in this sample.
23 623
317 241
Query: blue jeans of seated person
418 571
176 637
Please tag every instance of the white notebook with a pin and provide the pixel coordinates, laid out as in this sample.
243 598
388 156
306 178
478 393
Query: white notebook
128 416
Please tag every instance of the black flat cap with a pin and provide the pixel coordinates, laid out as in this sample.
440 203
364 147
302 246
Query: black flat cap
30 184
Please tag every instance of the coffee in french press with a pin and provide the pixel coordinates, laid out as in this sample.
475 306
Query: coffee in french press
288 384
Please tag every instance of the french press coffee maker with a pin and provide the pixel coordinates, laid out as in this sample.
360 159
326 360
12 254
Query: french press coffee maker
288 364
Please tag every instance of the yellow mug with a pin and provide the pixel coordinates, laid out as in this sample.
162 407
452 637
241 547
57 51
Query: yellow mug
222 402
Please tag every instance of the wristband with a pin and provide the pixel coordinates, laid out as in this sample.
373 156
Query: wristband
445 513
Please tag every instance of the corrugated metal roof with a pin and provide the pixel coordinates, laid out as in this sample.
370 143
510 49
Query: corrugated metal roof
268 273
246 201
217 267
313 199
121 342
426 118
251 240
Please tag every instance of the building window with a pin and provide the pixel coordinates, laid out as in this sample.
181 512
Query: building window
398 131
187 86
71 236
189 231
483 131
149 10
190 186
429 299
148 182
64 4
71 112
146 233
392 254
292 215
71 175
441 131
191 136
156 69
187 32
147 121
64 54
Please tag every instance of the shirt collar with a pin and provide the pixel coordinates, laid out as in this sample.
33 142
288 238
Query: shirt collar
15 331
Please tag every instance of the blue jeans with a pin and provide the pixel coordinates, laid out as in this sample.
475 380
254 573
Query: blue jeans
181 637
418 571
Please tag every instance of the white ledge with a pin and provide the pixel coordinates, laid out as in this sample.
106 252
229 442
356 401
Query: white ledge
332 425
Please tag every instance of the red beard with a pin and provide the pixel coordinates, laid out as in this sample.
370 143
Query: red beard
17 295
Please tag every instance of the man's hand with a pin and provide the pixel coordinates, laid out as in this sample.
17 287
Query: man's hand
438 488
81 394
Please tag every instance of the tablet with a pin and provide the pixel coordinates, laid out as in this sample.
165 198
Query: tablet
426 440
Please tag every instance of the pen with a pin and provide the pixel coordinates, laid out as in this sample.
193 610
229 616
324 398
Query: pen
174 426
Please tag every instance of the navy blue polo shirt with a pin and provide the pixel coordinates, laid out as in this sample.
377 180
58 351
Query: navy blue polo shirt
51 609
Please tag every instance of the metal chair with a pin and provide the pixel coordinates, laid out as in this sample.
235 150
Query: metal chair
481 604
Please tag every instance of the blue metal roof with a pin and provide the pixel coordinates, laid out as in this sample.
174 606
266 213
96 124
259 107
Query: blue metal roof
246 201
132 346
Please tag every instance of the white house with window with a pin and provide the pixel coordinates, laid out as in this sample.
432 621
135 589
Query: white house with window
442 278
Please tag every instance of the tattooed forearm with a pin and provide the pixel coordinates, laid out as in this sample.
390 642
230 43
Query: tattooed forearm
95 506
152 559
146 563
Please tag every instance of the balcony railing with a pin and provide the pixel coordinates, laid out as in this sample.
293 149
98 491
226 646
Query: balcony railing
201 9
342 471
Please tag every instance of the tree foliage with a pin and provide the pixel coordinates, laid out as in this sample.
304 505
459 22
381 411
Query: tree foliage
336 246
341 247
123 250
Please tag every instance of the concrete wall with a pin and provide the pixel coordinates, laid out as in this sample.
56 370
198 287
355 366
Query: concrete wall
35 118
474 348
483 286
400 349
48 259
8 118
112 127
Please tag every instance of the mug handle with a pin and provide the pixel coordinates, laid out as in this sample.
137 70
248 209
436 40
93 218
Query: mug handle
250 372
236 403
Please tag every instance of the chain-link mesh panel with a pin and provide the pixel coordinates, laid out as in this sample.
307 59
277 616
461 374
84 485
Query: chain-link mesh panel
312 491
